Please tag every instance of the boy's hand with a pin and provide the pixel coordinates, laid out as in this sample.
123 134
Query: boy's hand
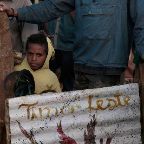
7 9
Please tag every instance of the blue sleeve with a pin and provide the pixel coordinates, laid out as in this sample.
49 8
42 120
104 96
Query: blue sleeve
45 11
138 19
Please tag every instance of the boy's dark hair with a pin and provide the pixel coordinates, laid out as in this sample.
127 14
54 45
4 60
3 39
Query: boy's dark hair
20 83
25 84
37 39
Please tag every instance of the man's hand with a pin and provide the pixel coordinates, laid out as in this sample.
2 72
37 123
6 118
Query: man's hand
7 9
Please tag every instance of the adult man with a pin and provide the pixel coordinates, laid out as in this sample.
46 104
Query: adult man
102 44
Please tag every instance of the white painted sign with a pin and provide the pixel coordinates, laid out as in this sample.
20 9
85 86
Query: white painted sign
97 116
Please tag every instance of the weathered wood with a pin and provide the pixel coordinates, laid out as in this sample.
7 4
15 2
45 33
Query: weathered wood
7 119
139 77
6 62
141 85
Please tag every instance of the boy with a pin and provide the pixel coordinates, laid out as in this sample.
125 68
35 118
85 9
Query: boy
37 62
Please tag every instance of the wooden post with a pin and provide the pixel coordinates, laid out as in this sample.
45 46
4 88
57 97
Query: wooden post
6 67
139 77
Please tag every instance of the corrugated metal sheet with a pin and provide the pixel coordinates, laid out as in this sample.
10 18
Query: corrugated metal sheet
103 116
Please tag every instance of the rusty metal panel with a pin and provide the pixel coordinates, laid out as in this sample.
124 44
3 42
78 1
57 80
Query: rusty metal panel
6 62
96 116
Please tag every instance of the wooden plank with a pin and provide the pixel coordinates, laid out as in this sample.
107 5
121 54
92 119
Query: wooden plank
140 79
6 62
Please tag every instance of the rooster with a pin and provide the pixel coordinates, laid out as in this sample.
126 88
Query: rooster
64 139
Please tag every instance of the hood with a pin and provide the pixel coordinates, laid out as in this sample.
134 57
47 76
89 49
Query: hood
25 65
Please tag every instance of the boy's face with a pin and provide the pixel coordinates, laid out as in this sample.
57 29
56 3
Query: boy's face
36 56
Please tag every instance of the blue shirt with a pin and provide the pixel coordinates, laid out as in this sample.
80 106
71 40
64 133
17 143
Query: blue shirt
102 29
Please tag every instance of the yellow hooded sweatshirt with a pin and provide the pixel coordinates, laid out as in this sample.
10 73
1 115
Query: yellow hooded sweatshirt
45 79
